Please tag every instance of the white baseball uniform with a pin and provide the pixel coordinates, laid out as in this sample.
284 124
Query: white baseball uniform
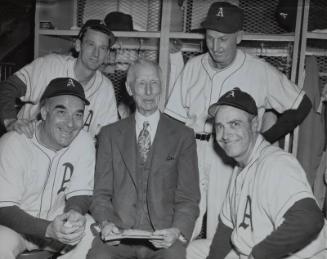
260 194
99 90
39 180
198 87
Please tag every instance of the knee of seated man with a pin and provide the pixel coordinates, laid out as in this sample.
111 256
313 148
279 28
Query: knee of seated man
177 250
11 243
198 249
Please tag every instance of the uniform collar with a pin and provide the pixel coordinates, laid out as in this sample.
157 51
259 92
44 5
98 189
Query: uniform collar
260 144
238 61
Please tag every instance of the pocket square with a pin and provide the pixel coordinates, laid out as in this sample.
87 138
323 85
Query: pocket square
170 158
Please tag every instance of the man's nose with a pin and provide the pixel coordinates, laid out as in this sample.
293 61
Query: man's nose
69 121
148 89
96 52
216 44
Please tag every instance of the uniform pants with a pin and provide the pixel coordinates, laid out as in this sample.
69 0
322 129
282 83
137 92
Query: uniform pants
215 173
198 249
140 249
214 178
13 243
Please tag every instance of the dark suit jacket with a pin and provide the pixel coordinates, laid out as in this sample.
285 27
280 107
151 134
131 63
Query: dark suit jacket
173 182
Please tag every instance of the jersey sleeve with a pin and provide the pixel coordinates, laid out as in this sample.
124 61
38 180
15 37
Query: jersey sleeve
34 75
82 180
176 105
284 183
11 170
282 93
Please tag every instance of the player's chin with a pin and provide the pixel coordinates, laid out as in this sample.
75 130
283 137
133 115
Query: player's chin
231 150
66 140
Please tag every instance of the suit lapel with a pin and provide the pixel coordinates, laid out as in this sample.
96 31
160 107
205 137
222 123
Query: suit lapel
127 145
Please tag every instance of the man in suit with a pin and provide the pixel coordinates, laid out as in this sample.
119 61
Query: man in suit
146 177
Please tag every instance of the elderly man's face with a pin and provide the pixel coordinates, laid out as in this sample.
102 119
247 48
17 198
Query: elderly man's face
63 120
221 47
146 89
236 132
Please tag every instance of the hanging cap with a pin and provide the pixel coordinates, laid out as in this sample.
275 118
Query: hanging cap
118 21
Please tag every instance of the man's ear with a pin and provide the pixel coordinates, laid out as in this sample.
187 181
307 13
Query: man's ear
78 44
43 112
255 124
128 88
239 37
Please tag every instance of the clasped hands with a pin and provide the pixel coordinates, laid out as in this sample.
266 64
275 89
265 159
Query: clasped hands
68 228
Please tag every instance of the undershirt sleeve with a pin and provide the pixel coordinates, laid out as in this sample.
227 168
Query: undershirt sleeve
221 244
294 233
18 220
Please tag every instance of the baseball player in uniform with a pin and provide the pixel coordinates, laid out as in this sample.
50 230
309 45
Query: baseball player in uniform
46 180
270 211
29 83
207 77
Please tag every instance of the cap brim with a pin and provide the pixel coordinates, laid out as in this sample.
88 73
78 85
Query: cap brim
86 102
214 107
220 28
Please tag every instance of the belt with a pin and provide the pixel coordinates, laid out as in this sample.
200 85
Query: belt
203 137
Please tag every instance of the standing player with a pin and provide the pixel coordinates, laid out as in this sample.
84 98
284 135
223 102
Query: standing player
210 75
270 211
28 84
46 180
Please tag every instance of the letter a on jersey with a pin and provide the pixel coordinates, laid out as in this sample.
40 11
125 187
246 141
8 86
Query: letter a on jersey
220 12
247 216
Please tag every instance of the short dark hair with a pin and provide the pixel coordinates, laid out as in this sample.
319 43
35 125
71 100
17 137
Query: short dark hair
97 25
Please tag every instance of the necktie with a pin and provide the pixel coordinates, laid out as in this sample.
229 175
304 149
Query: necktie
144 141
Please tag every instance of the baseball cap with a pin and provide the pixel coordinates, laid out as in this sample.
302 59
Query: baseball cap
224 17
237 99
64 86
118 21
97 25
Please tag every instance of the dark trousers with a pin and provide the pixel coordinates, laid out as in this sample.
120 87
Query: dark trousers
135 249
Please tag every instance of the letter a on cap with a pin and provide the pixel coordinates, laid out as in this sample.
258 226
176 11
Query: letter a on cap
231 94
220 12
70 83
